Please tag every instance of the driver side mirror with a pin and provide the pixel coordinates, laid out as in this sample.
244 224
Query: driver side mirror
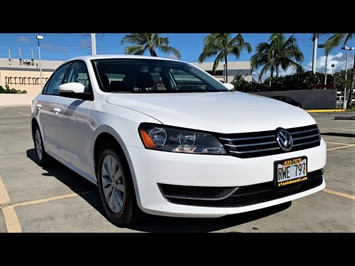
74 90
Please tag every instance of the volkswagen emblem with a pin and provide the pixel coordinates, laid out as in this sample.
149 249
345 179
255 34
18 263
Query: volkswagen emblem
284 139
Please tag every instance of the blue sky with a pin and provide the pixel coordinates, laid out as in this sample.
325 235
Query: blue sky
62 46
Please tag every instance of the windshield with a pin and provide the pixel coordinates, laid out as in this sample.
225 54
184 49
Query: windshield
153 75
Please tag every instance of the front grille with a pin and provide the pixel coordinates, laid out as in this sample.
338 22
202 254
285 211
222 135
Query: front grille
236 197
256 144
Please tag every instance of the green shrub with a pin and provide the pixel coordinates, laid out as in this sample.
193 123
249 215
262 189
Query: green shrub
8 90
302 81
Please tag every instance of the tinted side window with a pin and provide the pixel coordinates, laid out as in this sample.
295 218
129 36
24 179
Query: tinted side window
52 86
79 73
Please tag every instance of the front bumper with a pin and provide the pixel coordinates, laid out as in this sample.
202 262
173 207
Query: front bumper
190 185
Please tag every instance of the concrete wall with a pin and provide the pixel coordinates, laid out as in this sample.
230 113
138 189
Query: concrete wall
310 99
11 99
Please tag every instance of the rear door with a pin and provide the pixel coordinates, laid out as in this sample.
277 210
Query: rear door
46 108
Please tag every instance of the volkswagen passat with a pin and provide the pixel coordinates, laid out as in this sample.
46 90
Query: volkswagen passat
163 137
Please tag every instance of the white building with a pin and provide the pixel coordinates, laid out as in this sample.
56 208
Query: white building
24 74
242 68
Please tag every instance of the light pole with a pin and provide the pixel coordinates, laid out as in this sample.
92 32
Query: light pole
334 80
346 48
326 63
39 37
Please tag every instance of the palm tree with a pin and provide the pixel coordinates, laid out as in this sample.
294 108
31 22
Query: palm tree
279 54
148 42
263 57
222 44
334 41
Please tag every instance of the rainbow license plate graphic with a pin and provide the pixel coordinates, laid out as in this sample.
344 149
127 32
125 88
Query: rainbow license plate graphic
290 171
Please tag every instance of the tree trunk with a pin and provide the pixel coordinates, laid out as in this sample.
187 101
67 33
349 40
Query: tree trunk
225 69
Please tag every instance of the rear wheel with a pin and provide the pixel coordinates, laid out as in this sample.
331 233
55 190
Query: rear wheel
116 187
41 154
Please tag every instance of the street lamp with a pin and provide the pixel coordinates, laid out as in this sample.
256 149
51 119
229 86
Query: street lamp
346 48
39 37
326 63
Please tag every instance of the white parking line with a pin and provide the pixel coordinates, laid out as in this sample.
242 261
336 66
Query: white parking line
24 114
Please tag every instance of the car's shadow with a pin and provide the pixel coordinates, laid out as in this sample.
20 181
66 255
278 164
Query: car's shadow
335 134
152 223
157 224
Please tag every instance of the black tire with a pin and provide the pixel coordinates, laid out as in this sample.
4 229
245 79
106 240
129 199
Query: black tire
116 187
43 158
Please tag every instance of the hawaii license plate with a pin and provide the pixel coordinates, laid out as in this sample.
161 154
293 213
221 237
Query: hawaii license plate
290 171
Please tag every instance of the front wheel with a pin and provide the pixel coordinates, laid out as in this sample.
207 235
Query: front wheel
41 154
116 187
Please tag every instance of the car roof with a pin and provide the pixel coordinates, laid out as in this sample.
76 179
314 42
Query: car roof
117 56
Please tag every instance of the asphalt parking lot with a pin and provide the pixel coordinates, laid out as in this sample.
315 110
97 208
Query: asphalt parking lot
55 199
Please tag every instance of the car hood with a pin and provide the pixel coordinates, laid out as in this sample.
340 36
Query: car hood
225 112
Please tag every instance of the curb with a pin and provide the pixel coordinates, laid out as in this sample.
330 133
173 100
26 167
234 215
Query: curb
328 111
13 99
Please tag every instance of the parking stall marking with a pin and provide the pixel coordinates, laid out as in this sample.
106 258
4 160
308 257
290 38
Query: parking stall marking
10 216
338 143
24 114
338 194
340 147
51 199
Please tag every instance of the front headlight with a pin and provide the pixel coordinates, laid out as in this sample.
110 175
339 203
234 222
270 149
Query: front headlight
164 138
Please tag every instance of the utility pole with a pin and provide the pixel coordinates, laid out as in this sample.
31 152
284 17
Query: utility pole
315 45
93 44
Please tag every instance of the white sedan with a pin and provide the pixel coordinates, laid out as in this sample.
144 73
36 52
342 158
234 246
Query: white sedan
164 137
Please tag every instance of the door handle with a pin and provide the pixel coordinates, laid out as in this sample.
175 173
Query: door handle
57 110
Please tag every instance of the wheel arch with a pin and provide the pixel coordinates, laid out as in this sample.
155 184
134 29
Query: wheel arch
107 138
34 124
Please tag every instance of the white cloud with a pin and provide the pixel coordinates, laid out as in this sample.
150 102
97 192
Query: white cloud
338 60
23 40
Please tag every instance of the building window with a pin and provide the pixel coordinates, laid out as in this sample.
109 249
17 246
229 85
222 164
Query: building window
217 73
